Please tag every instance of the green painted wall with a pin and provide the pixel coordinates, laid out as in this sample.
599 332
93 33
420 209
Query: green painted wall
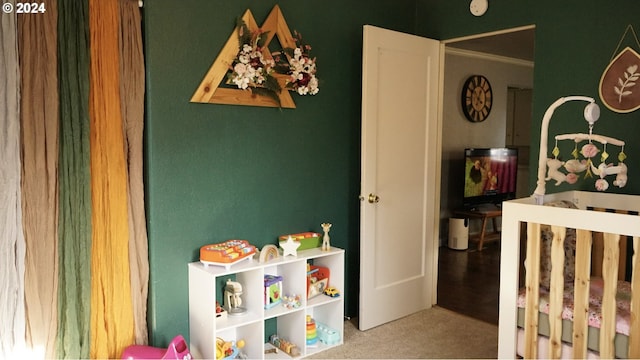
216 172
575 41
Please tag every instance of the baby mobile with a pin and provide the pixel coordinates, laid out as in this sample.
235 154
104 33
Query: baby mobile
589 151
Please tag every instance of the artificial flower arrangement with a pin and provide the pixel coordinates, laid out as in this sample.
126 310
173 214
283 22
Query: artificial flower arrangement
300 67
252 70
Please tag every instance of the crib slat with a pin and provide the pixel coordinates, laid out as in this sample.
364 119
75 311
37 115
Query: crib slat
610 275
556 291
597 254
532 284
581 293
634 331
598 249
622 264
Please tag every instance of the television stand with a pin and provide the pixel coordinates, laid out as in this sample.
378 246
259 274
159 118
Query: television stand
484 213
482 207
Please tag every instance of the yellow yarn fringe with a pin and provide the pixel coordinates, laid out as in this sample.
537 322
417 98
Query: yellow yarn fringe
112 325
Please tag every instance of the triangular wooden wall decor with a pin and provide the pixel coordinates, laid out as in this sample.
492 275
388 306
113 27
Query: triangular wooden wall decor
210 91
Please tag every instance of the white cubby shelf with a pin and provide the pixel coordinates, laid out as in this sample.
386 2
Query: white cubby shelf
206 285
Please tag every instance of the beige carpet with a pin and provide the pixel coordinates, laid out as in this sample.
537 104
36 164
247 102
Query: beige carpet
436 333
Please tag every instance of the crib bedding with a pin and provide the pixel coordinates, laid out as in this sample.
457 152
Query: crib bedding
623 314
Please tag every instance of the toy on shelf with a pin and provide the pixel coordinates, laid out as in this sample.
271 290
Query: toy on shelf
312 334
226 253
289 247
271 351
268 253
226 350
272 291
327 335
307 240
221 313
177 349
233 301
331 291
317 280
284 345
291 301
326 244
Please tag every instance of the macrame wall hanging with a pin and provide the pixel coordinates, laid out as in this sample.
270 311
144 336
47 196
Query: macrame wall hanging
617 89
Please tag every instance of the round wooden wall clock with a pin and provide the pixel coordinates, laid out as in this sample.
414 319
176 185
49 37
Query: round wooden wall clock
477 98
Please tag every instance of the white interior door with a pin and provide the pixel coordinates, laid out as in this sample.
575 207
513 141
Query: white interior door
400 175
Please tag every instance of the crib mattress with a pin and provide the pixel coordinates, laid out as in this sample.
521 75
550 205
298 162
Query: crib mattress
621 342
623 316
543 348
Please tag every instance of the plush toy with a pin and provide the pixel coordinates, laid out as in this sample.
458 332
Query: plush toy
603 170
554 172
621 178
575 165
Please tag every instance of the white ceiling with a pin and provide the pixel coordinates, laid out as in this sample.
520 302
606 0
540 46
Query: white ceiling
518 45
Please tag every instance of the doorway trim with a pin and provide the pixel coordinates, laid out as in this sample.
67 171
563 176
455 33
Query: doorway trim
487 55
491 33
446 49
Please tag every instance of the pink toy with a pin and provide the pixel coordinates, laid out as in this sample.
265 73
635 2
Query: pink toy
177 349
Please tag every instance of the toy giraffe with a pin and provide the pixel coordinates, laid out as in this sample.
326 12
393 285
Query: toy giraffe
326 245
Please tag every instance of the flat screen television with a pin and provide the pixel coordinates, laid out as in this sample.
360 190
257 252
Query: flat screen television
489 176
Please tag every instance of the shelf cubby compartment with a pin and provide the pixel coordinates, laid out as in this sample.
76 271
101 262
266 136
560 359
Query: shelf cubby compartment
207 284
293 283
334 260
251 334
327 320
251 290
290 327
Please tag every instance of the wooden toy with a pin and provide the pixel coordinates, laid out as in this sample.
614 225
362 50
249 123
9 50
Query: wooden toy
284 345
307 240
312 334
291 301
268 253
226 253
317 280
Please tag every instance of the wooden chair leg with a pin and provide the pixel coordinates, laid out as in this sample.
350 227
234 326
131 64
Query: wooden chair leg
482 233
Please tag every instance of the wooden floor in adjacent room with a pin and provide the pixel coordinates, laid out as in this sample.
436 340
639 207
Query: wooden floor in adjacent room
469 281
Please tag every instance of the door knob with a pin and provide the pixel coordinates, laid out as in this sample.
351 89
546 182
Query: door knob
373 199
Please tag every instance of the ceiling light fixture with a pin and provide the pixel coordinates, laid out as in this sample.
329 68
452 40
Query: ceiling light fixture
478 7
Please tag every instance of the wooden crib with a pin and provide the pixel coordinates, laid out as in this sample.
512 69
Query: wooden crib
610 217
